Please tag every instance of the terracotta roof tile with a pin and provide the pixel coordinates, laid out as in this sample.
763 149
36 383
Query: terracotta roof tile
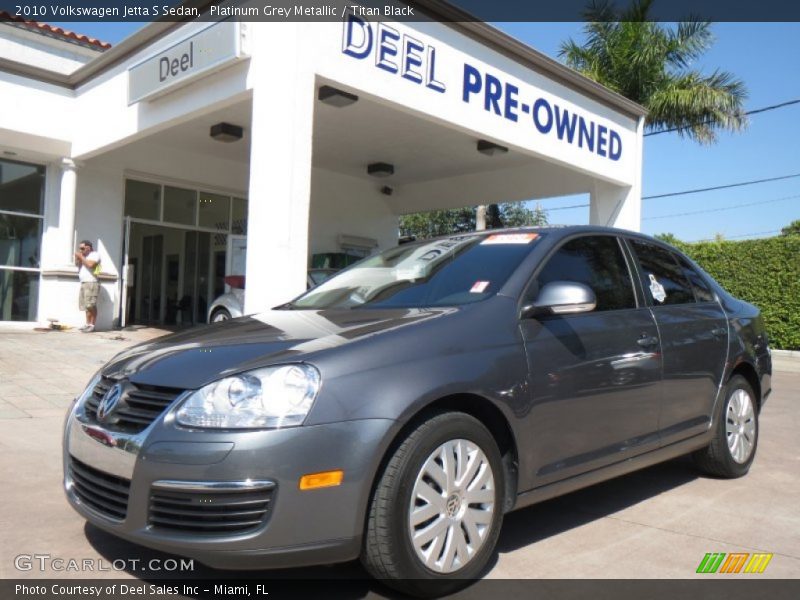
46 29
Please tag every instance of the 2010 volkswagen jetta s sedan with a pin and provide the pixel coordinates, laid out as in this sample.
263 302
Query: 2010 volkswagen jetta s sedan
397 411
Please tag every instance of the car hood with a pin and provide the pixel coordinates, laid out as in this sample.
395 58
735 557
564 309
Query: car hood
195 357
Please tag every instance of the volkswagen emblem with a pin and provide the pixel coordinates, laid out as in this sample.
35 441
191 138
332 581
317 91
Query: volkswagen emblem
108 404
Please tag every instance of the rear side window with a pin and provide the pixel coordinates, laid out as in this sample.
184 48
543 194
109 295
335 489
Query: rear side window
701 290
663 279
596 261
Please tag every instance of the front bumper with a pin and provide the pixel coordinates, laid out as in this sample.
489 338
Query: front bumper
300 528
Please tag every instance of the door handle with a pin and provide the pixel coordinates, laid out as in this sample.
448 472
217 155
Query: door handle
647 340
719 332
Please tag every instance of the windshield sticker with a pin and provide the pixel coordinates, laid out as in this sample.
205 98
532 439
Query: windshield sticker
479 287
657 290
510 238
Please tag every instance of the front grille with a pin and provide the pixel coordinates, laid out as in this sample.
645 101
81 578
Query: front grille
139 406
215 513
107 494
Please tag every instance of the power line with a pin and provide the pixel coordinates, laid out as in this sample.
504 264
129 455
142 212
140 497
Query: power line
749 112
694 191
567 207
721 187
713 210
743 235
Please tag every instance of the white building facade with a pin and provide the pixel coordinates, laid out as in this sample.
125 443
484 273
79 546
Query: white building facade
192 151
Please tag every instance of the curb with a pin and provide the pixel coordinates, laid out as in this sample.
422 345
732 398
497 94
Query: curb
786 353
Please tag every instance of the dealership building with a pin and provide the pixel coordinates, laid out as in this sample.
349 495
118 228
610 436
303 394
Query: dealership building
195 150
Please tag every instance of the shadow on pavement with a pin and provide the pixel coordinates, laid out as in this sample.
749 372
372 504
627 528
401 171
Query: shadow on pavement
541 521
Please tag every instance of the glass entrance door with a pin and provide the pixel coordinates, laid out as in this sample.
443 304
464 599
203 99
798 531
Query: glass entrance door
173 274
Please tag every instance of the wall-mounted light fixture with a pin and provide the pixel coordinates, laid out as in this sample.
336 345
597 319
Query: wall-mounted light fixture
380 169
490 148
336 97
226 132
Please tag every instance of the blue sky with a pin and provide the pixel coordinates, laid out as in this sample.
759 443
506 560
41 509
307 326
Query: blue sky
764 56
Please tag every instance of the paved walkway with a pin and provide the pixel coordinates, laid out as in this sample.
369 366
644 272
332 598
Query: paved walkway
656 523
41 371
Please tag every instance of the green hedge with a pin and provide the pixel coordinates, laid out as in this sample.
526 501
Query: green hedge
764 272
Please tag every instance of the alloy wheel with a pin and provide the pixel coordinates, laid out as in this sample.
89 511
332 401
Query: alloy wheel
452 506
740 426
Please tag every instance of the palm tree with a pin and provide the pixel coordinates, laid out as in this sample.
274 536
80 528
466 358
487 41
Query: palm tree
649 63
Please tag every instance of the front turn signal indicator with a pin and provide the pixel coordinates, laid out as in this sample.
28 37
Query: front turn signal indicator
325 479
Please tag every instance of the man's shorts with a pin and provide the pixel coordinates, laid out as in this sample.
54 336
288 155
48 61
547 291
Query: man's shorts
88 296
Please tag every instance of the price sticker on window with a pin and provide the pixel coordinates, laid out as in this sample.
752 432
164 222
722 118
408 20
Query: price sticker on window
510 238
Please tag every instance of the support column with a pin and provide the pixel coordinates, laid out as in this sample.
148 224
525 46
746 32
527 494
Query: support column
66 210
280 166
620 206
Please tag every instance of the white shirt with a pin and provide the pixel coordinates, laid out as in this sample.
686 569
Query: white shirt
86 274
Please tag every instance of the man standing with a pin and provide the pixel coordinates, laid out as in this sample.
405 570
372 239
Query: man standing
88 262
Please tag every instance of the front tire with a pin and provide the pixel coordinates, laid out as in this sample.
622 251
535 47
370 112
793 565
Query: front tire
733 448
436 512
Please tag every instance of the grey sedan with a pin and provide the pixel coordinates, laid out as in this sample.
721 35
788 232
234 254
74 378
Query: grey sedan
397 411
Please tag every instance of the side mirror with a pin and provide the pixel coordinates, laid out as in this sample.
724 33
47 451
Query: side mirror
561 298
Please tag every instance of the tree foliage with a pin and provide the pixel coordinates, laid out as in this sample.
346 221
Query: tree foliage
649 63
764 272
668 238
792 228
458 220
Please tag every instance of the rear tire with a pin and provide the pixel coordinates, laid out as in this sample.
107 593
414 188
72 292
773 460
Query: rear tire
437 508
733 448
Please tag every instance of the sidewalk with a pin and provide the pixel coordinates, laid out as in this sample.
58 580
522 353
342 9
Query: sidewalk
42 371
787 361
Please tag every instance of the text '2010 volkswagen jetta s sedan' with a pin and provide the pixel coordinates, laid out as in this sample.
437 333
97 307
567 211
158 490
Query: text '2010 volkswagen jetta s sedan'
397 411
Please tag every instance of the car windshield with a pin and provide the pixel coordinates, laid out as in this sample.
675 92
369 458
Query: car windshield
443 272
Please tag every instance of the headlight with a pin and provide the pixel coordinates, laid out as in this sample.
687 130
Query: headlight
271 397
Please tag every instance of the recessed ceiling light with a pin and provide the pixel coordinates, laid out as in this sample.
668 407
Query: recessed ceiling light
380 169
226 132
336 97
490 148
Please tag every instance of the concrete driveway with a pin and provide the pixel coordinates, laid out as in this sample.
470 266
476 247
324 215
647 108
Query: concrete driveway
657 523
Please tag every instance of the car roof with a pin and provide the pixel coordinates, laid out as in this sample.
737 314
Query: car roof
559 230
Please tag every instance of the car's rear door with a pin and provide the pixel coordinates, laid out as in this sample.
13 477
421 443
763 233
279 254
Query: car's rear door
694 338
595 377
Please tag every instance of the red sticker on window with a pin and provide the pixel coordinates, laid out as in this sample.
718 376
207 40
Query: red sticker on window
479 287
510 238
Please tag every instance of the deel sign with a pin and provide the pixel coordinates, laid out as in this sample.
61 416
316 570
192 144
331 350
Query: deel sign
394 52
173 66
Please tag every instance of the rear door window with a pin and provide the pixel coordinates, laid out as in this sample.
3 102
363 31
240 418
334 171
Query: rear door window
662 277
701 290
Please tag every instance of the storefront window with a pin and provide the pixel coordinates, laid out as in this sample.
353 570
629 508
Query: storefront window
21 201
142 200
180 205
20 239
19 294
180 255
21 187
214 211
239 224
